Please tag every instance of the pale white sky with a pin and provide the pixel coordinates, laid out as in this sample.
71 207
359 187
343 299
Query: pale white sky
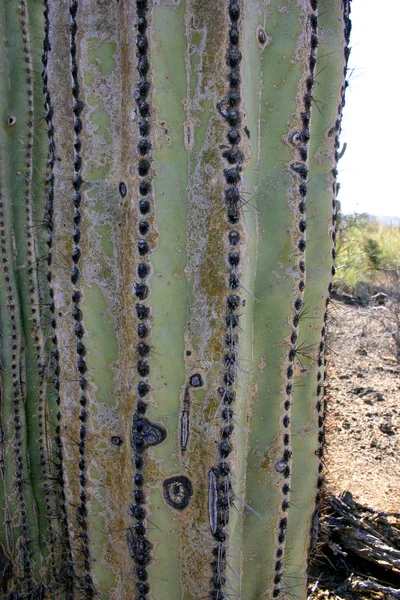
369 169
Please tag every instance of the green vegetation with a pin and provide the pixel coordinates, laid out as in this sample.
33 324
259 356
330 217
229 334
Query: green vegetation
367 257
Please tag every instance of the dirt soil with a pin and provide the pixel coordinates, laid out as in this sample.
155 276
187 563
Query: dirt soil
363 408
362 454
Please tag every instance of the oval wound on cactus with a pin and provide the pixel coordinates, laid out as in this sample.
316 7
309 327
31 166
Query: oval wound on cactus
122 189
146 433
196 380
212 500
12 121
177 491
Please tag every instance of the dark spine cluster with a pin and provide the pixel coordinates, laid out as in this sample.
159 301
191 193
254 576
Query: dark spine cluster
77 106
143 432
300 140
220 484
55 355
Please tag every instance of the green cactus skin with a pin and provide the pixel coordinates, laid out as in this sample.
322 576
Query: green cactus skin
167 238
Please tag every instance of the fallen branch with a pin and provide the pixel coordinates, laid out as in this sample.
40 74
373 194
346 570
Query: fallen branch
350 530
361 585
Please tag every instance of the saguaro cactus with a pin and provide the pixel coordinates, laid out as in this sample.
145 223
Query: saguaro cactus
162 313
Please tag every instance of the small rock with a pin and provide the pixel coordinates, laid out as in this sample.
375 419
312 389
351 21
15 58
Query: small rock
367 401
387 428
379 299
357 390
347 498
362 352
379 397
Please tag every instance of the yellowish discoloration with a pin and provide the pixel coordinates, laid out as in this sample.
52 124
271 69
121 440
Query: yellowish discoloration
207 270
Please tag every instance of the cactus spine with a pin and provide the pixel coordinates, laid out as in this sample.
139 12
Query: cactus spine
167 234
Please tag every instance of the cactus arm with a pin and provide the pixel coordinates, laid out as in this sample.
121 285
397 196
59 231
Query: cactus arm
307 416
283 70
10 529
18 145
9 532
21 193
43 409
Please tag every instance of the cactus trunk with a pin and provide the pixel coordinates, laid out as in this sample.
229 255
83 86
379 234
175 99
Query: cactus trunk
162 309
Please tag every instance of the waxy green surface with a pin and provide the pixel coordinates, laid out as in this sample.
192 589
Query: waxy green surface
188 238
320 195
21 192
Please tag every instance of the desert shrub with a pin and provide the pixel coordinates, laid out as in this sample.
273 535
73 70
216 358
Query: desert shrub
368 257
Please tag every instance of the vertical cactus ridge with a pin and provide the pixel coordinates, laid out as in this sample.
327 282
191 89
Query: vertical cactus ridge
330 237
58 500
308 423
27 279
162 349
300 139
30 203
144 432
286 169
77 313
220 489
37 296
14 478
167 477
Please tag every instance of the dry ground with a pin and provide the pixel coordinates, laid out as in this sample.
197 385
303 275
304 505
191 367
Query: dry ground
362 453
363 408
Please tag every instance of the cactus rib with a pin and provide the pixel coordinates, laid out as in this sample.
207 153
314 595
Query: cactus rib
300 139
77 312
59 494
220 490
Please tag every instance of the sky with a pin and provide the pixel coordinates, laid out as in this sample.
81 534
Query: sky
369 169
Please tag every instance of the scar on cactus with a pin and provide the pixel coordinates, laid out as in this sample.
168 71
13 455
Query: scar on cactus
177 491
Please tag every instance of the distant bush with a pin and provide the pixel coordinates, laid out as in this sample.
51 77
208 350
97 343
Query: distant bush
367 257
